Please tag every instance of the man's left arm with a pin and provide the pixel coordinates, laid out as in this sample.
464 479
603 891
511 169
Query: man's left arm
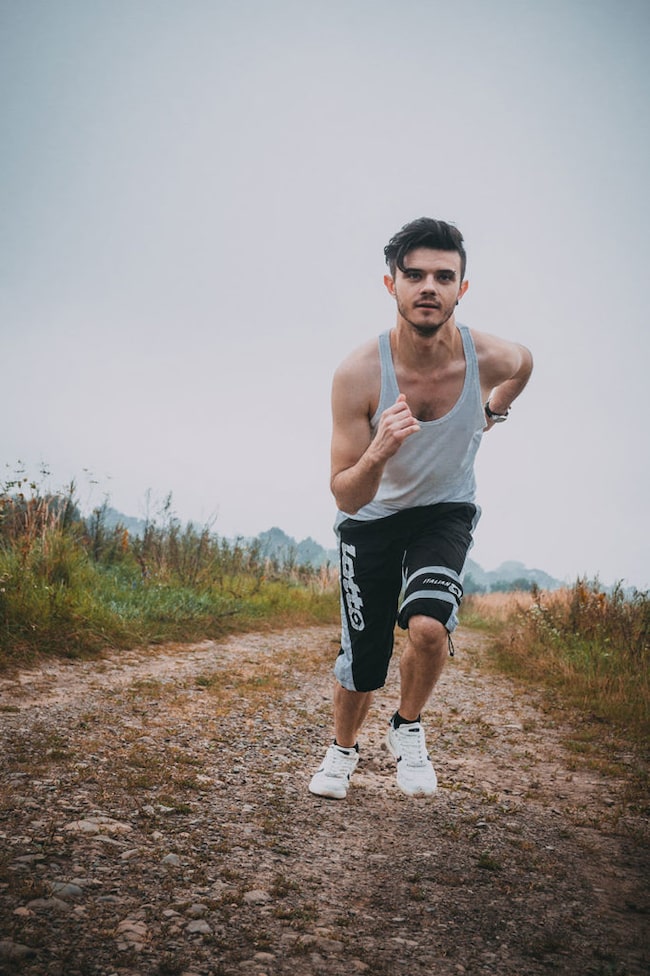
505 368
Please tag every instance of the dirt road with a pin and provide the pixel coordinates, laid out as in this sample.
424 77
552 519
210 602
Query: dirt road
155 819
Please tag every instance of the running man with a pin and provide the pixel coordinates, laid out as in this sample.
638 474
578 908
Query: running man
409 412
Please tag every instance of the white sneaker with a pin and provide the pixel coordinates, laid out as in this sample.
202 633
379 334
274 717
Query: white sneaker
333 777
415 774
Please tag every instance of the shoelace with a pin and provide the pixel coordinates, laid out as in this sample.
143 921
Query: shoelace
413 746
337 764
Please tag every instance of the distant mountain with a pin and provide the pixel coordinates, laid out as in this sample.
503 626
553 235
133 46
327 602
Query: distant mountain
276 544
112 518
505 575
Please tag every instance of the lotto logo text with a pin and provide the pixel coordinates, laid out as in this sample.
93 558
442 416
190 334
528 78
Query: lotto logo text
350 588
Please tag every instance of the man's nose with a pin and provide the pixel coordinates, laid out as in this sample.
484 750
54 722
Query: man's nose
429 283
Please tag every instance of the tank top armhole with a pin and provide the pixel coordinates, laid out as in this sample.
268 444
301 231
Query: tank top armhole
389 390
471 361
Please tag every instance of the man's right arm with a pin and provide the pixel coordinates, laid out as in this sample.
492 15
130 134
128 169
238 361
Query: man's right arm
358 458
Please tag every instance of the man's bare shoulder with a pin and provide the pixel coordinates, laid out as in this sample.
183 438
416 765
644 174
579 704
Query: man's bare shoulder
364 357
361 367
498 358
356 384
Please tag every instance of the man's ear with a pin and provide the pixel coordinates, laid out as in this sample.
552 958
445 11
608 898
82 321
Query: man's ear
463 288
390 284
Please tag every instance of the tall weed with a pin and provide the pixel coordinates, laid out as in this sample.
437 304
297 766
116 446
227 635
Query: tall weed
591 645
71 586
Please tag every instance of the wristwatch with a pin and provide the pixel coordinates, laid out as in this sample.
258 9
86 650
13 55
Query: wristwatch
496 418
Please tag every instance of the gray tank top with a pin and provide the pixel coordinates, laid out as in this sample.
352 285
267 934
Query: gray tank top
436 464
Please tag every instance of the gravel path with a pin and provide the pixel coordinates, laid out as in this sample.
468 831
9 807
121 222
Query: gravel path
155 819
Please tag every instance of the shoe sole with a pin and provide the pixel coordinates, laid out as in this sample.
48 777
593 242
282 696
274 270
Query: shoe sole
418 792
330 795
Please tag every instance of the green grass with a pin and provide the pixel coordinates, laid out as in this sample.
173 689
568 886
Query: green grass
71 587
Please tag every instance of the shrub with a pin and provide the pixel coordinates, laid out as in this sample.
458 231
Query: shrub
588 643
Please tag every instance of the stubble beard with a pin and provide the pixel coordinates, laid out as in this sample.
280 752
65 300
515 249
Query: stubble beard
425 331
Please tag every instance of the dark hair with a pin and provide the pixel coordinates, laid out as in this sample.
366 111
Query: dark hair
424 232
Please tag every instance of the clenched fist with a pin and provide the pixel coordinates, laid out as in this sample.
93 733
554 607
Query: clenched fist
395 425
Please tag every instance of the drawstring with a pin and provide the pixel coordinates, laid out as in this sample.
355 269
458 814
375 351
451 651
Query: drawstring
451 645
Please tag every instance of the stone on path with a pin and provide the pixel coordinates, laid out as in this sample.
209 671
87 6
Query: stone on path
15 950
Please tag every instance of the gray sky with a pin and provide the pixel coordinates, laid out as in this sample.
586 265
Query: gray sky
194 201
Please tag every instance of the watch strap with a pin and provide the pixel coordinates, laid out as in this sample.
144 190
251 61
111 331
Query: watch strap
497 417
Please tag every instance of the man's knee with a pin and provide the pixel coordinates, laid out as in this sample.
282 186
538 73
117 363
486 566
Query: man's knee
428 634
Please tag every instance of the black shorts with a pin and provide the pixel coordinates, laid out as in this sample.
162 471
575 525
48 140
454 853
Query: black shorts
391 569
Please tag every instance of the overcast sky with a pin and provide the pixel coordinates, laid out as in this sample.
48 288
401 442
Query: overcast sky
194 200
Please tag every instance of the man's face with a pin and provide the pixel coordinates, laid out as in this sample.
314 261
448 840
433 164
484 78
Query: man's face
428 290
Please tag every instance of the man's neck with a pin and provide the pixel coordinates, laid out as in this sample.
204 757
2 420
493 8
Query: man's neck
416 350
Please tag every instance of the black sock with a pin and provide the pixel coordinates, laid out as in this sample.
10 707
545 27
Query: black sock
397 720
347 748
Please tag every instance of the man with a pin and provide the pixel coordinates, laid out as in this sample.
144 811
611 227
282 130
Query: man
409 412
